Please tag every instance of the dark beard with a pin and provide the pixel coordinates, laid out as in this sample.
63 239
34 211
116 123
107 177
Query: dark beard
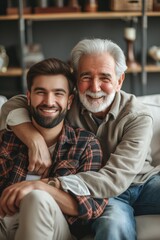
47 122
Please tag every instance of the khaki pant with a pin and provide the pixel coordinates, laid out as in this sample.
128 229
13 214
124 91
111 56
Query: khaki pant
40 218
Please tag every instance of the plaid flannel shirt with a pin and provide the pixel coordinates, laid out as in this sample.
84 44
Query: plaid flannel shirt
77 150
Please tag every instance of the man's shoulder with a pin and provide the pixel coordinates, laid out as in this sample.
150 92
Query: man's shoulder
10 138
131 104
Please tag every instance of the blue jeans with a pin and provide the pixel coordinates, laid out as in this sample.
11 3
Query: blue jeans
118 220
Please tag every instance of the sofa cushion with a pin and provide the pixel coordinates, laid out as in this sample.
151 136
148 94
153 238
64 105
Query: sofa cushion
153 102
148 227
3 99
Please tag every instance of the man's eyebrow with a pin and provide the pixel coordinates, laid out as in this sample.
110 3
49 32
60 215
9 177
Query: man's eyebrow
53 90
85 73
108 75
59 90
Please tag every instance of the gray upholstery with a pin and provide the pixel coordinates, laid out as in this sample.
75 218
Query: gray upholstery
3 99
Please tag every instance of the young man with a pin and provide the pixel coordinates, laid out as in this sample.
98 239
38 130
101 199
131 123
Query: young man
33 207
124 127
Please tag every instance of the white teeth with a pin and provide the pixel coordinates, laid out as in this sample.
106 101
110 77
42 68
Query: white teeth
95 98
49 110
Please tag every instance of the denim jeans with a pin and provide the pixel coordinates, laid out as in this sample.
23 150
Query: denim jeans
118 219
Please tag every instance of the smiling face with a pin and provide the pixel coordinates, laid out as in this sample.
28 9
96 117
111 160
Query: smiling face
49 100
97 82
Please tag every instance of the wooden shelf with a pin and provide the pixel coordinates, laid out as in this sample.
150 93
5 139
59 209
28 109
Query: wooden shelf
153 14
74 16
12 72
152 68
134 70
148 68
17 72
80 15
9 17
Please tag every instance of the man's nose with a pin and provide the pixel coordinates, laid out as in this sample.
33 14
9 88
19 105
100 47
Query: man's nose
49 99
95 85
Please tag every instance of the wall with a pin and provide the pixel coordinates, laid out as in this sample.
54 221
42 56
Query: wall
58 38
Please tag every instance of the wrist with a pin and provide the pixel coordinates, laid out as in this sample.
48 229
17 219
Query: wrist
36 140
54 182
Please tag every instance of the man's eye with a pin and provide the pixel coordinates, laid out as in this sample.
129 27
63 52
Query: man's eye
40 93
105 79
86 79
59 94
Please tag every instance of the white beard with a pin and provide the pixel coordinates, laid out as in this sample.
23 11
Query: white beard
93 105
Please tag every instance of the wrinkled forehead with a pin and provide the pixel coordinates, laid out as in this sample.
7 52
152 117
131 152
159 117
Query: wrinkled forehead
103 62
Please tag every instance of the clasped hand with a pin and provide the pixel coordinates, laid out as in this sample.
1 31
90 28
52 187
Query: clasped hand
39 158
12 196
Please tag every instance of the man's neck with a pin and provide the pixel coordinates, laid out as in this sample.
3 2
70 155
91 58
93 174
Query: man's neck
50 135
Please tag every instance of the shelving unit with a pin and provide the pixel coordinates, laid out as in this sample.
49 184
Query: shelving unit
12 72
22 19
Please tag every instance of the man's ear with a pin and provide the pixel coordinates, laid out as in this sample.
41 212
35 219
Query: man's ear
28 97
120 81
70 100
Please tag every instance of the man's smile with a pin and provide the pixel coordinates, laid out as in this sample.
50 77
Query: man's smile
49 110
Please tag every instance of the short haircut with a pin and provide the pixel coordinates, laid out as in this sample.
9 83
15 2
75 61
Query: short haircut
98 46
48 67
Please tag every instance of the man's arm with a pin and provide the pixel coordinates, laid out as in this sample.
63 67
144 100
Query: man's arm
39 156
124 165
126 162
16 117
91 160
12 196
17 102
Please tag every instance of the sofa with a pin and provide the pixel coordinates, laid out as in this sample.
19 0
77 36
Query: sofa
148 226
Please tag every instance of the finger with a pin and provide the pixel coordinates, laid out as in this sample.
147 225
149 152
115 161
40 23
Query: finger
34 167
48 163
19 197
42 171
31 166
11 204
11 209
2 213
39 169
7 203
45 173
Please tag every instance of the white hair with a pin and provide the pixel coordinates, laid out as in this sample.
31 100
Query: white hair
98 46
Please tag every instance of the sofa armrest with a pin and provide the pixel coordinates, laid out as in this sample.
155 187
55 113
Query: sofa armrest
3 99
153 103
